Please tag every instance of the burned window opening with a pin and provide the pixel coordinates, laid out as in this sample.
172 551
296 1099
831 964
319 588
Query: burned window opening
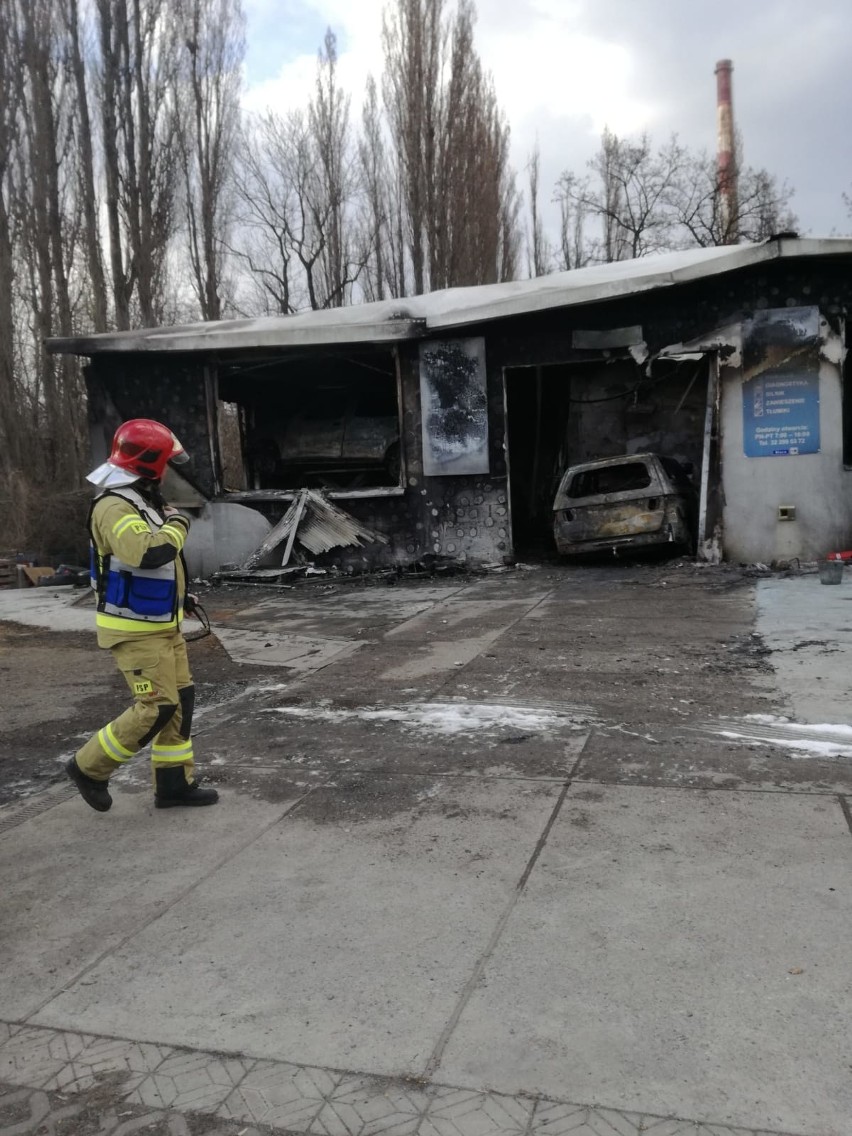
330 423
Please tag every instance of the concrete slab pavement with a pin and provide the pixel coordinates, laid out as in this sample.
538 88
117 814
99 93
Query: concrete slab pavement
808 627
358 967
298 654
76 884
676 951
337 610
319 943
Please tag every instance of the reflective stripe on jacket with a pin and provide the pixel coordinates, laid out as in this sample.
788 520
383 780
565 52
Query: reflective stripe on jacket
125 530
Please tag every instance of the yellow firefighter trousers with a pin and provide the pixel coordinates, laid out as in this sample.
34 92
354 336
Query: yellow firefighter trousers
157 672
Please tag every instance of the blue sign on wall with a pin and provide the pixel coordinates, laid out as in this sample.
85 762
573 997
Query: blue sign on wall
781 414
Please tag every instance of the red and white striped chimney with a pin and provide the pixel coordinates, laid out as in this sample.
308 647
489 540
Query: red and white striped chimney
726 161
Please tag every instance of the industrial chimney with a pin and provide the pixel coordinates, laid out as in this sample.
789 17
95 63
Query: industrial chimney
726 155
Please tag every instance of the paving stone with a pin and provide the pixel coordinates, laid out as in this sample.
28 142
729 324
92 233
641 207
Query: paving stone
559 1119
461 1112
167 1092
367 1106
189 1081
34 1057
33 1112
726 1130
101 1055
287 1096
654 1127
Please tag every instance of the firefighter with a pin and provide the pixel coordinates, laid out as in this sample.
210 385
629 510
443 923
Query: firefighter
140 578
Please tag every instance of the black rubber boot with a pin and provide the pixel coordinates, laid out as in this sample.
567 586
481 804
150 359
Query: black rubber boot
173 790
94 793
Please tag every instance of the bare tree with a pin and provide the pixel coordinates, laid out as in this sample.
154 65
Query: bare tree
301 215
414 36
287 217
574 250
377 279
447 135
264 212
763 204
648 200
86 167
211 45
138 61
328 118
509 252
49 224
539 257
12 440
630 193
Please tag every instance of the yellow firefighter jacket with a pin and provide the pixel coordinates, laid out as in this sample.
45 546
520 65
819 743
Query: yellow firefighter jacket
137 567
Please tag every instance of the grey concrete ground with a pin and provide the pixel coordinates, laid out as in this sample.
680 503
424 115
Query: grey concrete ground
557 851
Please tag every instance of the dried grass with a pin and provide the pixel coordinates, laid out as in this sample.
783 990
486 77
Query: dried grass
42 522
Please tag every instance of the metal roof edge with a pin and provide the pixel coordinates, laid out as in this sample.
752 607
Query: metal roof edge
788 248
207 338
602 291
454 309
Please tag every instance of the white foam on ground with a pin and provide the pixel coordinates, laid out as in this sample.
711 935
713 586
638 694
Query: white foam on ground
442 718
828 739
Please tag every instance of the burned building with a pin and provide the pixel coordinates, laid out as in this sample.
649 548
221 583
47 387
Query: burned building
441 424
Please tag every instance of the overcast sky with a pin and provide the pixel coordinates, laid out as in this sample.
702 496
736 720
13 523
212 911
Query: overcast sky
564 69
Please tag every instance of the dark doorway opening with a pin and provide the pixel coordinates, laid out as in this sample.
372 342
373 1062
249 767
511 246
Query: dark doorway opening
537 406
564 414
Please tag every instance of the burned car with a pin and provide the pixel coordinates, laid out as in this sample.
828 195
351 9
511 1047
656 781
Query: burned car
625 504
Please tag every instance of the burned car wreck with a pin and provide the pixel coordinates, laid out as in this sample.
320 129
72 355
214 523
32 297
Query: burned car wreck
625 505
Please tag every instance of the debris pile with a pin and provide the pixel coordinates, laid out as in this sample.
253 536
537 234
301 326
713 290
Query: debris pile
317 526
23 571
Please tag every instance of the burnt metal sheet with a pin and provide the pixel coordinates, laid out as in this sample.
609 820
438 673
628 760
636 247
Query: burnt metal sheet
324 527
317 525
277 535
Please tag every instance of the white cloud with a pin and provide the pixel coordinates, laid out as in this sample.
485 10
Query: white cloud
554 69
358 31
544 66
564 69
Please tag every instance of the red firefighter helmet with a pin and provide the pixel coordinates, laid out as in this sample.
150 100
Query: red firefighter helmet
141 449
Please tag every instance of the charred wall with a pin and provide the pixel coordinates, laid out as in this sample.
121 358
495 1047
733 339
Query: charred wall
437 518
670 316
168 388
